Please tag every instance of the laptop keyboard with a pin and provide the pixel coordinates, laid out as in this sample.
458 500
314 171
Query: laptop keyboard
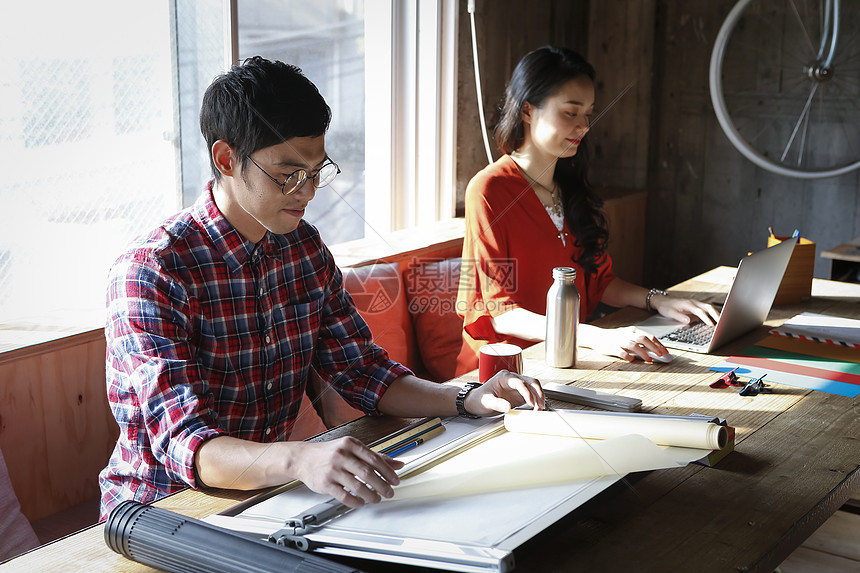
699 334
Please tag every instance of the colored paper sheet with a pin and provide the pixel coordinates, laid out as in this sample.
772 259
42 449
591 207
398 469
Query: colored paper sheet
784 360
789 379
799 364
811 348
802 363
822 328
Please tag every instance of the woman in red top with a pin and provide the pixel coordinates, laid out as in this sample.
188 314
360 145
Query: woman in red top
533 210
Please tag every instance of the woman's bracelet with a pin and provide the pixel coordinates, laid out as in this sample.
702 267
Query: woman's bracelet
651 293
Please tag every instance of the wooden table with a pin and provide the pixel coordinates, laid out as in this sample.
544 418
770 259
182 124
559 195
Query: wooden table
796 461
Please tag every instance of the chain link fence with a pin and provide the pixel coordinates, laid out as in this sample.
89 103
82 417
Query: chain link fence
89 139
99 137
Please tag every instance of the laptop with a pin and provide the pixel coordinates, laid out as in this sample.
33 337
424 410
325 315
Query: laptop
747 304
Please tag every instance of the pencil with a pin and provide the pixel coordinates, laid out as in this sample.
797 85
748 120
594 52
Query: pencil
410 434
417 442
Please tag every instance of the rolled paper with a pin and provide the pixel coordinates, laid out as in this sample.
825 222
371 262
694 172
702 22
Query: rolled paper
662 430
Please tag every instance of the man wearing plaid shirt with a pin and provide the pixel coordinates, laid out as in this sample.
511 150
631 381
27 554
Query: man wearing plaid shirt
216 317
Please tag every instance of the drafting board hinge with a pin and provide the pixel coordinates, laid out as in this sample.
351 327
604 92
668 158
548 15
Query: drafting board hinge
295 528
292 538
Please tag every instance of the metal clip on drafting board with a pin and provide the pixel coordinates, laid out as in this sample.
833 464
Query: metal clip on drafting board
294 530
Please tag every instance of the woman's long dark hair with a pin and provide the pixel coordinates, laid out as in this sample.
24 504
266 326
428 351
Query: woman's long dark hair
538 76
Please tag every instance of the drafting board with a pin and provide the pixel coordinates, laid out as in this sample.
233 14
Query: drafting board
478 532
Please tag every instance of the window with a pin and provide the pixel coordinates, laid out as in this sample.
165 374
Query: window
100 138
324 38
387 69
87 133
411 95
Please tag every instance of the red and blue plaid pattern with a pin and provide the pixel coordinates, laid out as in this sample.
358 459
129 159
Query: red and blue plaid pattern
209 334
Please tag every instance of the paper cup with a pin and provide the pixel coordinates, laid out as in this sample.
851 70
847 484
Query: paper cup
497 357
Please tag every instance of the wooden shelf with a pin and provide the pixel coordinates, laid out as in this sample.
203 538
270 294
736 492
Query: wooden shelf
845 265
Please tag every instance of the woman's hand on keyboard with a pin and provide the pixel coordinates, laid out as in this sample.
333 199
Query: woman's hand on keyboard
685 310
628 343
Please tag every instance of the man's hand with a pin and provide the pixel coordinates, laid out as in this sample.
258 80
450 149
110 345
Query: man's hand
345 469
504 391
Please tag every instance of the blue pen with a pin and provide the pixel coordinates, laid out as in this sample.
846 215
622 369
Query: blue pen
796 235
406 448
429 434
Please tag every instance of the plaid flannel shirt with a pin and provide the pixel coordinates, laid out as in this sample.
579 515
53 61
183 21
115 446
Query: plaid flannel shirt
209 334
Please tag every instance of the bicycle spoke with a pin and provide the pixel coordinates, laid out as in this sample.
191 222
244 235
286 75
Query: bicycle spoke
803 141
763 130
800 120
782 98
803 29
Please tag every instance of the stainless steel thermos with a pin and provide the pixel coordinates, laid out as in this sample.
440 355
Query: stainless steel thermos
562 318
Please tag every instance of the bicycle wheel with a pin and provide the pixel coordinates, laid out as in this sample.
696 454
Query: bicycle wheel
780 98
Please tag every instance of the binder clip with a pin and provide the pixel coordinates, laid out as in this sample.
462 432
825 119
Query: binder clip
726 380
756 387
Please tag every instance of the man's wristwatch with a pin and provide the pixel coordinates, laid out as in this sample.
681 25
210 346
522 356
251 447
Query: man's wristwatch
461 398
651 293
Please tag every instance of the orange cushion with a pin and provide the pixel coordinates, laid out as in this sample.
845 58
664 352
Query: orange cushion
330 405
431 288
322 408
378 294
308 423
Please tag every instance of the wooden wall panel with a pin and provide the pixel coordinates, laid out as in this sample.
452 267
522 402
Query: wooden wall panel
506 30
675 210
625 212
56 430
622 55
708 205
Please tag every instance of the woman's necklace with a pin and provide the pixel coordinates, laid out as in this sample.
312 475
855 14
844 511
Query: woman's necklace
555 198
554 209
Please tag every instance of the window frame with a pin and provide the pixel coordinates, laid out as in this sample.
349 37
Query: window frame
411 107
410 110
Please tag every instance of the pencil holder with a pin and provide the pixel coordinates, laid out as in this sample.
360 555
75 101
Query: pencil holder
796 283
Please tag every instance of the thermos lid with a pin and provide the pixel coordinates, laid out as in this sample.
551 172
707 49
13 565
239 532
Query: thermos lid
564 273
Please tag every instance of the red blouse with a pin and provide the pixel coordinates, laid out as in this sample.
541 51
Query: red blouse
509 251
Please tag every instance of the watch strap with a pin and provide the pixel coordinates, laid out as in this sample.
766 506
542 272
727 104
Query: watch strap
461 399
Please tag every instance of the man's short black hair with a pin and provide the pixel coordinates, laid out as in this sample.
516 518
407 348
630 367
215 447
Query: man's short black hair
260 103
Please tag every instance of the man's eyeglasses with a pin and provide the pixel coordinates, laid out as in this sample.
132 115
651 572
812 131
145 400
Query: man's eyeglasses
320 178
